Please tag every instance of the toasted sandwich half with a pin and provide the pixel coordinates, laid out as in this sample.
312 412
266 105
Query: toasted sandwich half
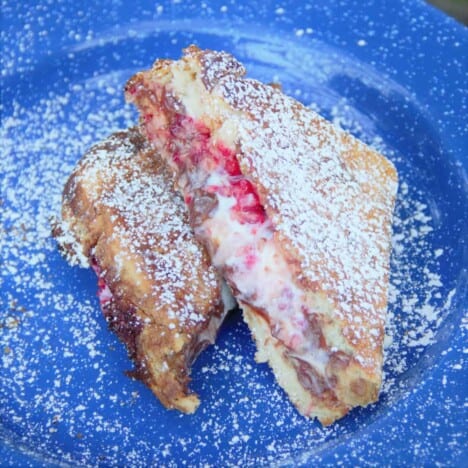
157 288
295 213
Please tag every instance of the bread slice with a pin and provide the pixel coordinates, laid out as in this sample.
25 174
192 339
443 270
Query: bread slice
157 288
295 213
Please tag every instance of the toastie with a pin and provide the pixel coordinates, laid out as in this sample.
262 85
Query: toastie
294 213
156 286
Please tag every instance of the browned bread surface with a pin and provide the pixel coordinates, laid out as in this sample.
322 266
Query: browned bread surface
121 213
329 199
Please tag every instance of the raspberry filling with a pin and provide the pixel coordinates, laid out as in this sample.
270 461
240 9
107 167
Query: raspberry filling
206 158
123 322
104 294
227 215
228 218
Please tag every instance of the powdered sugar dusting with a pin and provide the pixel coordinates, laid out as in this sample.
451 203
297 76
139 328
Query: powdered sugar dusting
330 199
312 177
126 189
63 394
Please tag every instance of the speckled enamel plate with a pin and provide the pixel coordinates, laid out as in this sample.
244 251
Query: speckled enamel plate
392 73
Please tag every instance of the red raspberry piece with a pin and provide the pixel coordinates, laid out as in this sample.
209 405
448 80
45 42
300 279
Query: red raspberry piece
247 209
177 159
230 163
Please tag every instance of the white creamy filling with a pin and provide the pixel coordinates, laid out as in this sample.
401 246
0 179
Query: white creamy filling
209 333
200 106
229 302
188 90
267 282
255 266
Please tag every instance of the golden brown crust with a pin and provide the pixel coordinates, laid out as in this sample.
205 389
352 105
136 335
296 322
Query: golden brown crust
328 196
121 213
271 350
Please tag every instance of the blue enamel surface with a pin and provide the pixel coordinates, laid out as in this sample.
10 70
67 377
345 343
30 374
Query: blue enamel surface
392 73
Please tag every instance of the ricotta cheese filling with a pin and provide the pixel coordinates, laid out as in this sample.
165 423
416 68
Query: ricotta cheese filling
228 216
258 271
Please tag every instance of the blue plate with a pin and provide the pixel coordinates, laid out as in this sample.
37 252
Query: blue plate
392 73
